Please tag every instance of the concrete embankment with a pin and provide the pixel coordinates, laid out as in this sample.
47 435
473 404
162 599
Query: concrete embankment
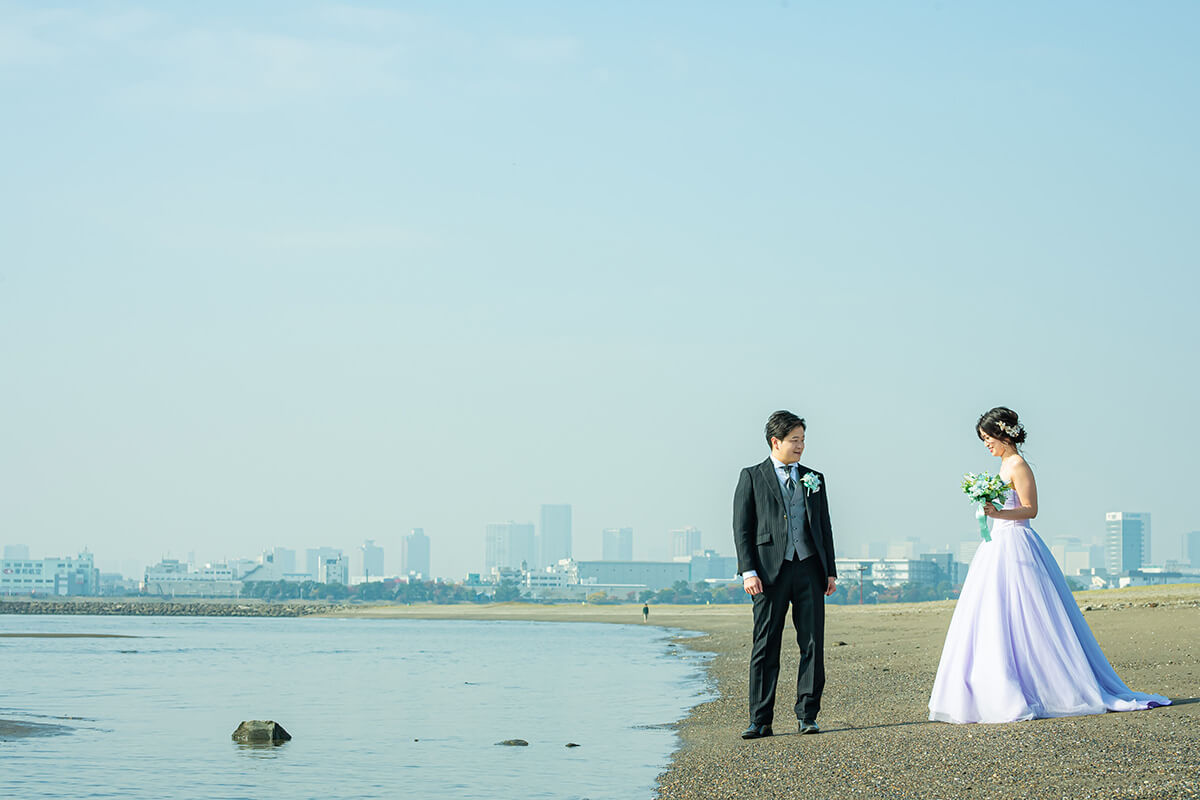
138 606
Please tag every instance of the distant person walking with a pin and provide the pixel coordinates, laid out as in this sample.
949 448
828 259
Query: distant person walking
784 544
645 612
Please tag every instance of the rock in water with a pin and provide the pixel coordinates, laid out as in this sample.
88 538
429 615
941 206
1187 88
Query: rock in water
259 731
514 743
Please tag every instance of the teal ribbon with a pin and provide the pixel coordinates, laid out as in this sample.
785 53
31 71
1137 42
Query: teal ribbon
979 515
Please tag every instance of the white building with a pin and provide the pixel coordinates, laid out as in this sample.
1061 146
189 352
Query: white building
242 566
906 549
1154 576
966 550
1072 555
1126 541
272 569
650 574
509 544
685 542
49 576
173 578
282 557
562 582
313 557
334 569
889 571
708 565
617 544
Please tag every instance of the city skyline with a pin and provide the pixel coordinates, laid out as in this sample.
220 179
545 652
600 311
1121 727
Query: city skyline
1123 533
289 275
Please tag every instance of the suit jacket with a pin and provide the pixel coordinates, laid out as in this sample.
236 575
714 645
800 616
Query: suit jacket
760 531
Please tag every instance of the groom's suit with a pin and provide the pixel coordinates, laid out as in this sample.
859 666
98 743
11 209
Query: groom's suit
788 542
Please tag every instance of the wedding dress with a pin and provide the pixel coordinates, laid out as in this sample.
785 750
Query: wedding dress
1018 646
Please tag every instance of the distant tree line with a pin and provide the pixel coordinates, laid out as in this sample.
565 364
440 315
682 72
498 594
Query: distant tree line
682 592
848 593
396 591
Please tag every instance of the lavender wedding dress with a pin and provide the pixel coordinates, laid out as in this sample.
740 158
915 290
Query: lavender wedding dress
1018 646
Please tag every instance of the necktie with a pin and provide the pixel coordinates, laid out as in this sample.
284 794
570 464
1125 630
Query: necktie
789 483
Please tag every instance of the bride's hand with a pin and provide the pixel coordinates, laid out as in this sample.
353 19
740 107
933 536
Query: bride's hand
989 510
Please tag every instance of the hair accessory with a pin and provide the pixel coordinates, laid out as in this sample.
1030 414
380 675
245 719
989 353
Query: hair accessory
1011 430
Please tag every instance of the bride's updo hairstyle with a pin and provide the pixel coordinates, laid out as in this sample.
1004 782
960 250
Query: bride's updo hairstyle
1001 423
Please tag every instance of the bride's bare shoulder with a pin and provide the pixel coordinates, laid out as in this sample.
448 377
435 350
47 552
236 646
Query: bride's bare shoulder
1016 465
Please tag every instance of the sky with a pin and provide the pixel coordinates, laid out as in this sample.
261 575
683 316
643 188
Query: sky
301 274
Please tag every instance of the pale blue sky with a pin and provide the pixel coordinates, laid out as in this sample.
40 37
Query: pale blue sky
303 274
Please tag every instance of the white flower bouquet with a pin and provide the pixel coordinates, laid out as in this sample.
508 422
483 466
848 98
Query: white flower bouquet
984 489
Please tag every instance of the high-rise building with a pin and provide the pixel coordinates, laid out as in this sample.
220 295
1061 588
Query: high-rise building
509 544
414 554
17 552
284 559
685 542
1126 541
333 569
1191 549
555 534
313 557
966 550
1072 555
367 562
617 544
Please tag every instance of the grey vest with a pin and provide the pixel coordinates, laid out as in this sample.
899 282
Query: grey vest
800 543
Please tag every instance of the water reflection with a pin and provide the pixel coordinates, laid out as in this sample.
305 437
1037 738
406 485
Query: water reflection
372 704
260 749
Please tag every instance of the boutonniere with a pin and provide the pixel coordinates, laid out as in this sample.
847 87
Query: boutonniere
812 482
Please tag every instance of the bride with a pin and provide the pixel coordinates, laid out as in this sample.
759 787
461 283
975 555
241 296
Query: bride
1018 646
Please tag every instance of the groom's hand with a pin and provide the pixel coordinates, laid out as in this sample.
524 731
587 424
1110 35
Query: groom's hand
831 586
752 586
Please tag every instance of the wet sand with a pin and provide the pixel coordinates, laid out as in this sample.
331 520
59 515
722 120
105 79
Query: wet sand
67 636
877 741
11 729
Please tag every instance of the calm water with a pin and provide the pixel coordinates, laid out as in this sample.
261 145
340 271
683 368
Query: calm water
376 708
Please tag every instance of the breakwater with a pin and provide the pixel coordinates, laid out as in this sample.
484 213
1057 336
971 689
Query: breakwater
136 606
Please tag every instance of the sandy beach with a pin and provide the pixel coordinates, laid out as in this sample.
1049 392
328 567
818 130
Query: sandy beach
876 740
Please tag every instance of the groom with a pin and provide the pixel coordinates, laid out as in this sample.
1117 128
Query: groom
785 556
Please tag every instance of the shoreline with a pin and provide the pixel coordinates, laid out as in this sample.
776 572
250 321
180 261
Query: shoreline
1184 595
876 740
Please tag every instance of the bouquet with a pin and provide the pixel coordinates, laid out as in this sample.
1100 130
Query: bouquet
984 488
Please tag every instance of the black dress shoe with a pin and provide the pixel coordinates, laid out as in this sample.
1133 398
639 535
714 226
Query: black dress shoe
809 726
756 731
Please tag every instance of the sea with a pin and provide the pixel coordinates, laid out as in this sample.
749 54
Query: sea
376 708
